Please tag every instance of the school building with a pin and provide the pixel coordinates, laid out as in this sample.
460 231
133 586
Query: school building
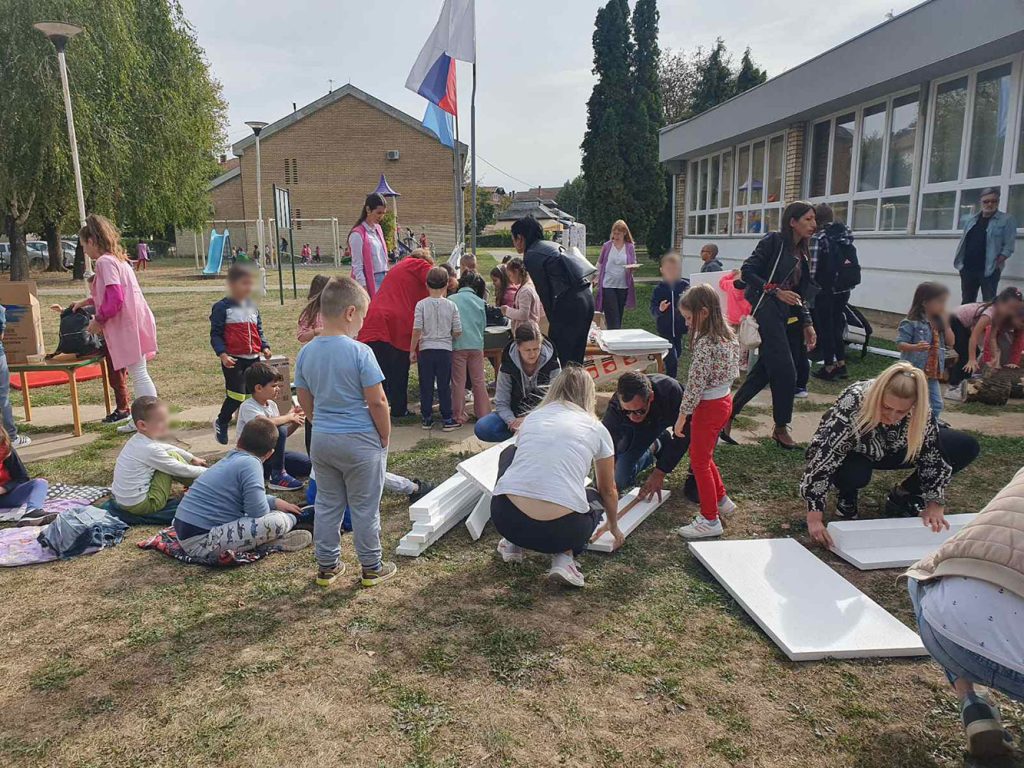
899 129
330 154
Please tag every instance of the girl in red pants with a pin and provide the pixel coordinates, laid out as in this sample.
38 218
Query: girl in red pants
714 366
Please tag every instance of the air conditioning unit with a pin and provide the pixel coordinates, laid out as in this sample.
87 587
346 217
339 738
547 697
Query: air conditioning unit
393 154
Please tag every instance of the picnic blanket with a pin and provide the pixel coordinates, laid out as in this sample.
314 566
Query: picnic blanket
57 506
20 546
166 542
83 494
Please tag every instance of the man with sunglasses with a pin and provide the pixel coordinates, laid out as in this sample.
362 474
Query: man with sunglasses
640 418
986 243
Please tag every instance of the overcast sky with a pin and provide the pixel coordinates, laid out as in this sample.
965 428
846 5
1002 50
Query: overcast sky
534 61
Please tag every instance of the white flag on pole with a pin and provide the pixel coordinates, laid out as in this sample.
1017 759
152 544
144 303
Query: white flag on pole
454 36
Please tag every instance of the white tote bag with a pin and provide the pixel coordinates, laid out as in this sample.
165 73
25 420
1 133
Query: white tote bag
749 335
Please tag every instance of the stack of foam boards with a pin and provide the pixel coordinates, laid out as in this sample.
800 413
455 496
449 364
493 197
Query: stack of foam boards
482 471
809 610
633 512
437 513
631 341
889 542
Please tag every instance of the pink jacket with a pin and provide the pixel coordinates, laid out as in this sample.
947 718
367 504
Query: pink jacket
602 261
527 309
367 257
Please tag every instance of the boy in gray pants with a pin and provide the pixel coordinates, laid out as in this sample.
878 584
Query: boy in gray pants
340 388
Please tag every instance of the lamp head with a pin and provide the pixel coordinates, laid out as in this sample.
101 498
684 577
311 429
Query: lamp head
256 125
58 32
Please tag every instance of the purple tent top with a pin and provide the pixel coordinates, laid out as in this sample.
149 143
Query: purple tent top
384 189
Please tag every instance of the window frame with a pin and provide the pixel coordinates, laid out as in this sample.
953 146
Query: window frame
852 195
1011 147
701 190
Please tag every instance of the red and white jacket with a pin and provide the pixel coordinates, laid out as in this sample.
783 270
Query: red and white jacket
236 328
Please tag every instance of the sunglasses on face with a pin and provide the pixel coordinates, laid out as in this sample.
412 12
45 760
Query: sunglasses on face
639 412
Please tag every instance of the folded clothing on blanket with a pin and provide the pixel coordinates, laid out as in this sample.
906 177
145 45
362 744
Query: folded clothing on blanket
80 529
166 542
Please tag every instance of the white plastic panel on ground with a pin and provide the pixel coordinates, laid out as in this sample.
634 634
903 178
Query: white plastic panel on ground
805 607
482 469
425 534
629 522
889 542
477 520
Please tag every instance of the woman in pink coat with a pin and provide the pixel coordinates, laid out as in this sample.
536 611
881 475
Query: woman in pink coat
615 291
122 315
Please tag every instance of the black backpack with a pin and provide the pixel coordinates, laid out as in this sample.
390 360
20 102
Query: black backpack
843 255
75 338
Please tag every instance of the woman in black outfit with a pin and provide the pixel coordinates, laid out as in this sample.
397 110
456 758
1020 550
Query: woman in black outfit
563 289
777 274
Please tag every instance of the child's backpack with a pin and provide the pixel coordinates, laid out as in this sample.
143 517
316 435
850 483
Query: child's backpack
75 338
843 255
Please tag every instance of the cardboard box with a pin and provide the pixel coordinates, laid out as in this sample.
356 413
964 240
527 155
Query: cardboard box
281 364
23 338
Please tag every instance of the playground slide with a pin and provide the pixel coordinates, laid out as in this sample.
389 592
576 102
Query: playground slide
215 256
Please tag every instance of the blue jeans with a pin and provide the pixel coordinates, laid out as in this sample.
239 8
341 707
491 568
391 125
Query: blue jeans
294 463
435 367
5 397
935 396
32 493
630 464
959 662
492 429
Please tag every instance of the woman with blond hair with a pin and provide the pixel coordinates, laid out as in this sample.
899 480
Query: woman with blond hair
122 315
615 289
884 423
541 501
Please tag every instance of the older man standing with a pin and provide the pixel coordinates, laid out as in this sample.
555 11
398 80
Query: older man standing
640 418
987 242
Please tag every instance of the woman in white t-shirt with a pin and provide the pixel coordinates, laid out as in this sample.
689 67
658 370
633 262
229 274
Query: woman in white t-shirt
615 290
541 500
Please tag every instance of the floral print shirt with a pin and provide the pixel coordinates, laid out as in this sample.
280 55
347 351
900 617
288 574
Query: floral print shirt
837 437
714 364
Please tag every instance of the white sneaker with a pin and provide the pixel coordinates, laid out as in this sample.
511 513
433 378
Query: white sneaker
126 429
701 528
801 394
509 552
726 506
565 570
293 541
21 441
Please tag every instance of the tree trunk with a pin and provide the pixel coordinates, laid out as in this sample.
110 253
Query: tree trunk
19 252
51 232
78 271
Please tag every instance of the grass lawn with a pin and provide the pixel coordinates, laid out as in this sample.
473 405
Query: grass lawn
127 659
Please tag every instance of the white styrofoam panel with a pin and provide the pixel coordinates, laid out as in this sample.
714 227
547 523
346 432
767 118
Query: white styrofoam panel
631 339
889 542
477 520
806 608
630 521
482 469
453 487
412 547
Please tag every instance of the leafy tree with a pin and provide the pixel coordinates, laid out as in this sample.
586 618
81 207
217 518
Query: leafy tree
644 176
148 116
572 198
486 210
750 75
604 166
677 78
715 80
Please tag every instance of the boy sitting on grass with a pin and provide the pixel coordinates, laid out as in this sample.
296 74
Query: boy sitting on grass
146 468
263 384
339 388
227 508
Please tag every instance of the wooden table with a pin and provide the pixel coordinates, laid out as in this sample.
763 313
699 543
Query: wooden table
70 366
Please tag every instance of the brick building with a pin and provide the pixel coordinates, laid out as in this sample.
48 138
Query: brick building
898 129
330 154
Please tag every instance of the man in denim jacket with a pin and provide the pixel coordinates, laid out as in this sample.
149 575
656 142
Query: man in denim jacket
987 242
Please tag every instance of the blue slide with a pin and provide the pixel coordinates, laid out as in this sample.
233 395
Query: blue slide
219 244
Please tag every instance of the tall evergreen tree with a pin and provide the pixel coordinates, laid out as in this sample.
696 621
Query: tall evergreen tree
607 115
644 175
715 82
750 74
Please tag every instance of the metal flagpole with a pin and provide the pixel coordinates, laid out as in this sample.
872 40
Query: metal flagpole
460 215
472 141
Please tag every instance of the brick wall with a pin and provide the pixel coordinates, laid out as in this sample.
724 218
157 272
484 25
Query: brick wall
335 158
680 211
795 137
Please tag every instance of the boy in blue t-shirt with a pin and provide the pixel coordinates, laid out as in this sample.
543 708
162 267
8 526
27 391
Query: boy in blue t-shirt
339 386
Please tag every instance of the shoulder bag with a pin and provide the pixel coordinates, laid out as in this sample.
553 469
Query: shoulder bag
749 335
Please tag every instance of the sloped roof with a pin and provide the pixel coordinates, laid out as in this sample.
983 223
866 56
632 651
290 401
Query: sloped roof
224 178
538 193
324 101
535 208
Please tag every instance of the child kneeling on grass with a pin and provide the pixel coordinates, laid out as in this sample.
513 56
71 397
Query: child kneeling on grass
146 467
285 467
340 388
714 366
227 508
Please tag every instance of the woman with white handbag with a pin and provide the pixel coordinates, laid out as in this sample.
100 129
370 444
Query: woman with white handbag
777 276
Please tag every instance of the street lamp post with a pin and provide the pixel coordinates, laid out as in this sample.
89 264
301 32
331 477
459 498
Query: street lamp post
59 33
256 127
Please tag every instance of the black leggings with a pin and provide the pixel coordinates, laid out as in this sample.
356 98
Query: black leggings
613 304
569 324
962 345
569 532
829 322
394 364
234 386
777 361
958 448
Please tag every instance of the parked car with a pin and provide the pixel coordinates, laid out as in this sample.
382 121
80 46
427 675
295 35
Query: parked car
37 259
67 253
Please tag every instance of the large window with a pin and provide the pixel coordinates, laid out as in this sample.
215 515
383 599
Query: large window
710 186
862 161
971 145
